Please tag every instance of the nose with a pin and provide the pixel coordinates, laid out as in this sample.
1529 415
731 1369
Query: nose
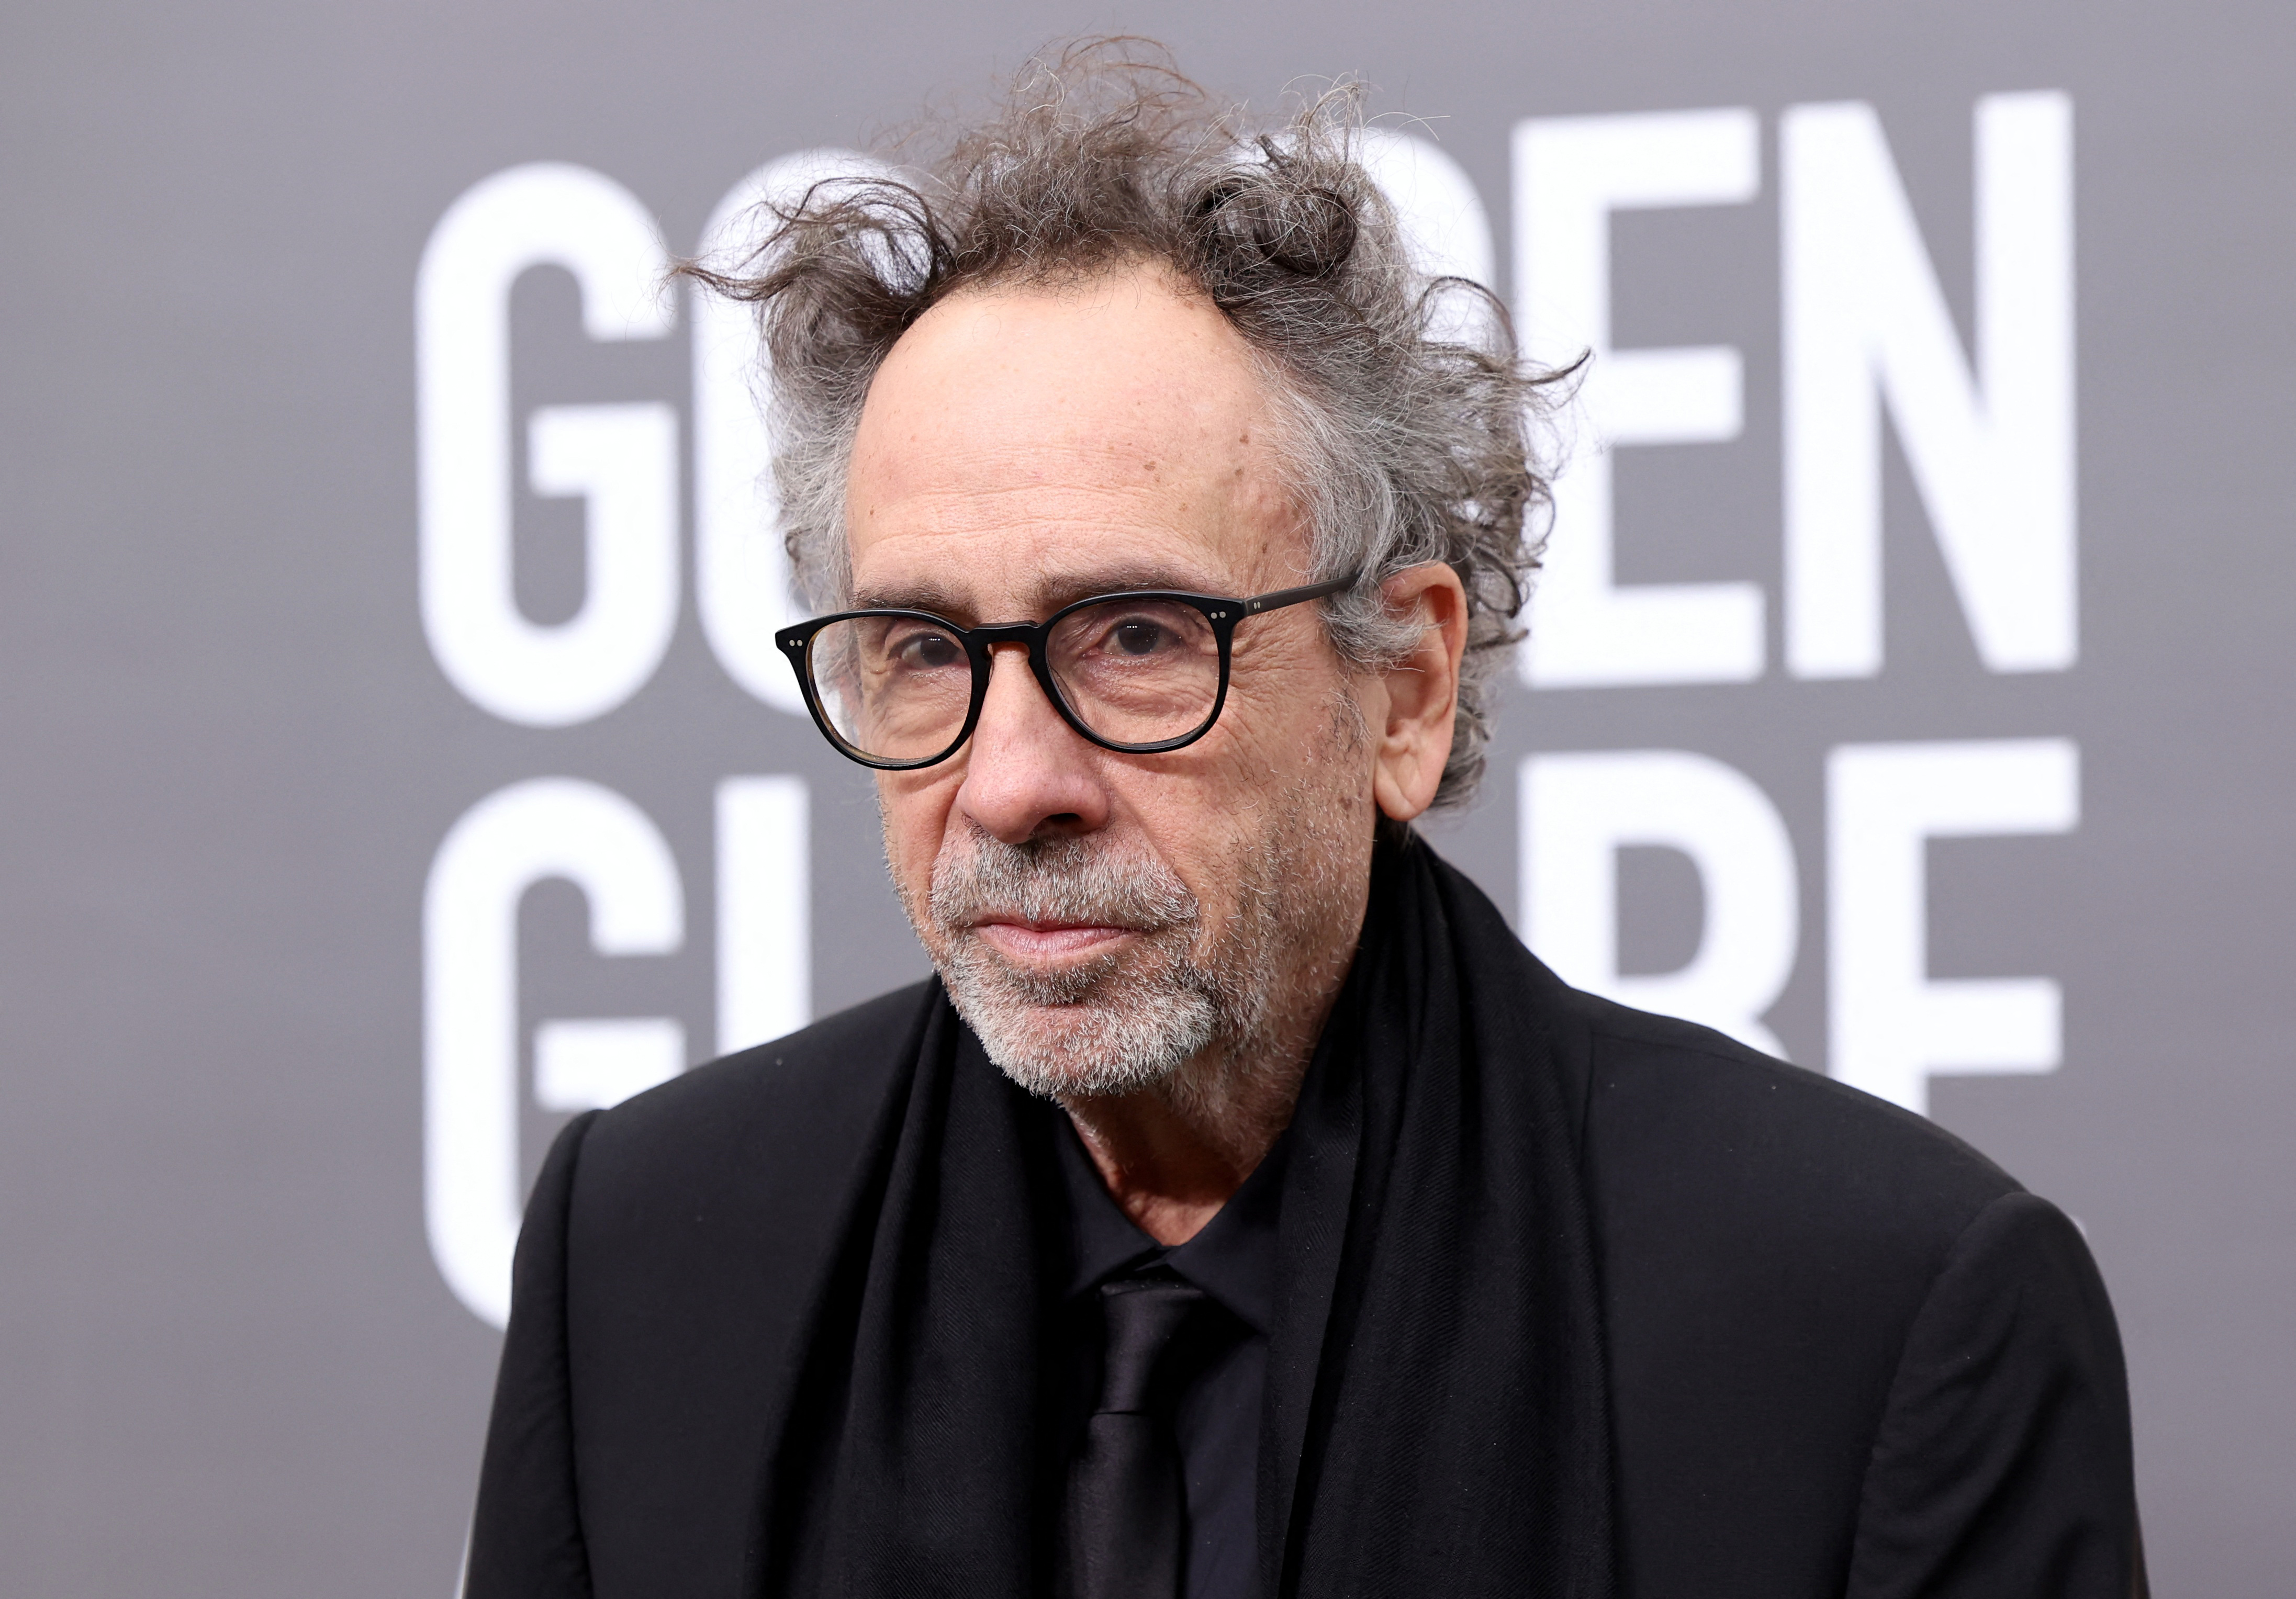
1028 773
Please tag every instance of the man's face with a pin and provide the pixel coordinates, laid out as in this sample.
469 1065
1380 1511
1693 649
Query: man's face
1103 918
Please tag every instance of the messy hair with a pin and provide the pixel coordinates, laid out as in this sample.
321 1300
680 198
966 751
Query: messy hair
1406 417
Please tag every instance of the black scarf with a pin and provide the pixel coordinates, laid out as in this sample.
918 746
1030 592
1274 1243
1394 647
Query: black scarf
1436 1421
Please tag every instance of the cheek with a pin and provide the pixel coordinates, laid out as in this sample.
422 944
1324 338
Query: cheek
1280 749
914 809
1283 701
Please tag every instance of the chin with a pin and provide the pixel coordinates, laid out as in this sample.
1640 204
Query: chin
1088 1050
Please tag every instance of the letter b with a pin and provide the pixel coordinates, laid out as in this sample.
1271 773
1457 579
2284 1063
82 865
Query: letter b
1578 810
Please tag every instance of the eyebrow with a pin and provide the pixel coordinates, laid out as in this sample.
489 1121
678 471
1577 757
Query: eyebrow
1052 591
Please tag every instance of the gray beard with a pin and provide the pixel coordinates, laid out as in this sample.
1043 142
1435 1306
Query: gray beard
1122 1022
1181 990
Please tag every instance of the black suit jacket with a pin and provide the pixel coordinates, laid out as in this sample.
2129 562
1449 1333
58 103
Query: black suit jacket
1847 1354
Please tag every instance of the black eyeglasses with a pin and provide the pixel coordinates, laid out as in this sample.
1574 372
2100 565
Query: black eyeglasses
1139 673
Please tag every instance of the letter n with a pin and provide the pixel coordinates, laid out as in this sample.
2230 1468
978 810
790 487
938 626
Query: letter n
1864 323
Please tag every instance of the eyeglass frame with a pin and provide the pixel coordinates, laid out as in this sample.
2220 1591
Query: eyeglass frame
1220 613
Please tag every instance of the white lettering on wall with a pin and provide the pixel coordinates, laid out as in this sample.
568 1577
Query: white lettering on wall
741 569
594 1063
1570 175
1576 811
1893 1026
621 461
1864 323
765 915
547 827
623 458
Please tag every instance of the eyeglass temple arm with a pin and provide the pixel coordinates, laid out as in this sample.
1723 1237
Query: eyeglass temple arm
1294 596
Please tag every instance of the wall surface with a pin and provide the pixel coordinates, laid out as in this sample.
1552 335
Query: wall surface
1928 720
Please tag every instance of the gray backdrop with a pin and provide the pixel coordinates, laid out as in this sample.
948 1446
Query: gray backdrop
229 1360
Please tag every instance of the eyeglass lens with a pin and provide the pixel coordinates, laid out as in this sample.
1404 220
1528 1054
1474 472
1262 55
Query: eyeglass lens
1134 671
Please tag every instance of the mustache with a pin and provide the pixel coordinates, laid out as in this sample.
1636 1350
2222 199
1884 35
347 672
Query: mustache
1085 881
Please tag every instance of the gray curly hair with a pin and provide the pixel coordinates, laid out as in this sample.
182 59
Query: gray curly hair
1407 412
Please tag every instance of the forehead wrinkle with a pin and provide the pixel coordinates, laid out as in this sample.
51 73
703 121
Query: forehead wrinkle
1046 510
1050 591
1020 452
1002 389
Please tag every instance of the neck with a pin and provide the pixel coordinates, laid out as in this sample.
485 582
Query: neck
1173 1154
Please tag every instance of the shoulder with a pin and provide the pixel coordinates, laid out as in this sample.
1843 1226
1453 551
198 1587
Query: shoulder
1688 1135
1826 1317
1767 1239
698 1217
690 1228
794 1112
1680 1114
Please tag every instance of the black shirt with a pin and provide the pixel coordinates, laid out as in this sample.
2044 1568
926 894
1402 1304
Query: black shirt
1233 1259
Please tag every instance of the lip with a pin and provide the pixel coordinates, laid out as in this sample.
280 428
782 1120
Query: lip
1050 941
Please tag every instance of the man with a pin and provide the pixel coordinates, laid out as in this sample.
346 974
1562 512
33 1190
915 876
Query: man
1241 1211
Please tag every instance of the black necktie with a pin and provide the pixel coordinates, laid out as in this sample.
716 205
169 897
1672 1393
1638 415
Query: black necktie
1127 1505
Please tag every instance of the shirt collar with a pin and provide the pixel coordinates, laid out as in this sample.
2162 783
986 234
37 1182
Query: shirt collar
1233 1259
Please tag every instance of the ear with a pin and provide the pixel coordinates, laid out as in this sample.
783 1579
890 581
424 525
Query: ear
1422 689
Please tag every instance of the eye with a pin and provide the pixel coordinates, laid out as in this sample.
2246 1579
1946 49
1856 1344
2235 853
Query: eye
1136 635
928 652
